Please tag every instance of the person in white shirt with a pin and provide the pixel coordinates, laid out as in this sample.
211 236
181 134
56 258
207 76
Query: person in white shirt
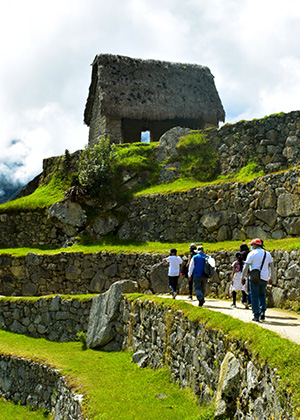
255 259
174 270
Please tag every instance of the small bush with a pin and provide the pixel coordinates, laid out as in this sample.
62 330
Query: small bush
81 336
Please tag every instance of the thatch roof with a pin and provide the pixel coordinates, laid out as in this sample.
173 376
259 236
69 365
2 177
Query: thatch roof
153 90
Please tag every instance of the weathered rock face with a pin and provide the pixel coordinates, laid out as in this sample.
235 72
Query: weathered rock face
103 226
68 216
158 276
168 142
104 330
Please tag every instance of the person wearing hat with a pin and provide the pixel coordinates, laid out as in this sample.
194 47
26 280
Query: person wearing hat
259 259
174 269
196 273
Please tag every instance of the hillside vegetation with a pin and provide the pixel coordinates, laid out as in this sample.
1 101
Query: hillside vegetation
104 169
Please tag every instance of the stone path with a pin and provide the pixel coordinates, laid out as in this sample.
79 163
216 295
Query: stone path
284 323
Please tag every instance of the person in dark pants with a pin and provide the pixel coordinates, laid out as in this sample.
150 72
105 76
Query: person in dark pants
196 270
193 251
174 269
244 250
259 259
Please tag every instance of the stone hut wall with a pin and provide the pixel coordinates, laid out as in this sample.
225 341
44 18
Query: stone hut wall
79 273
215 367
39 386
267 207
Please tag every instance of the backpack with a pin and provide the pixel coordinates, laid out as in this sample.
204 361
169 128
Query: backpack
208 270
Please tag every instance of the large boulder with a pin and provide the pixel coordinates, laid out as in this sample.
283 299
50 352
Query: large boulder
103 226
68 215
168 142
104 313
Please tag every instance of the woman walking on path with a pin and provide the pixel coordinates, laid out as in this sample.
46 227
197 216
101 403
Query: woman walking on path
174 270
236 280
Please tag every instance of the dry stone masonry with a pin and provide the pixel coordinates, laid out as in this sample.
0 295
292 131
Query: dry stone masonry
215 367
39 386
267 207
55 319
272 142
79 273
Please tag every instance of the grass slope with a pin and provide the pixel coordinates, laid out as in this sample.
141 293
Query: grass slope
11 411
114 388
43 196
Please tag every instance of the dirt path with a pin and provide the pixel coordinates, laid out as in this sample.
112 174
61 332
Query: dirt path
284 323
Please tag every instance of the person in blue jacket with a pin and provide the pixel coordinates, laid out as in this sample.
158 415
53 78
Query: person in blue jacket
196 270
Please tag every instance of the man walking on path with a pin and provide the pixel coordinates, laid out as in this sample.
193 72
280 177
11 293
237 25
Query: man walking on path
196 270
174 269
259 259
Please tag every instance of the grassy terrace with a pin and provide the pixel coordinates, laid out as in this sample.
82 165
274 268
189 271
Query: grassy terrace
118 389
114 387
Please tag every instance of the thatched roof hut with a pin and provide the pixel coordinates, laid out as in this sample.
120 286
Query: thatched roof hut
128 96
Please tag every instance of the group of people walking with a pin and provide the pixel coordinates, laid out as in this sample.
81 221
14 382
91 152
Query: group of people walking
252 270
194 270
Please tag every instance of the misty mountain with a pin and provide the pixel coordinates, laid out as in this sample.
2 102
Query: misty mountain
8 188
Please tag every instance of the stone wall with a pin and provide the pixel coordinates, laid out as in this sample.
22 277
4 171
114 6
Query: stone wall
272 142
79 273
73 273
54 319
39 386
267 207
215 367
29 228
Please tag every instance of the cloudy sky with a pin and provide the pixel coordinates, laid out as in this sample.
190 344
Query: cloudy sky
47 46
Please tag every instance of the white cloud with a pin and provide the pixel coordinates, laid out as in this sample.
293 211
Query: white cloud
251 47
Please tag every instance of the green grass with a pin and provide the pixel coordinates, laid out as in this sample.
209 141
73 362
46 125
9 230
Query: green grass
43 196
115 245
11 411
116 388
246 174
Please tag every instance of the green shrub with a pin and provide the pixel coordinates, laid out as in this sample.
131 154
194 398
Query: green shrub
81 336
197 157
96 167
